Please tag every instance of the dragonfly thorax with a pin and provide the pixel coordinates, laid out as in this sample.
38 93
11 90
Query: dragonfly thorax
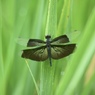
48 40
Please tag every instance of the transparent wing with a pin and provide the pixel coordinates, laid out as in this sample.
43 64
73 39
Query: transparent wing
35 42
60 39
60 51
37 54
30 42
74 35
21 41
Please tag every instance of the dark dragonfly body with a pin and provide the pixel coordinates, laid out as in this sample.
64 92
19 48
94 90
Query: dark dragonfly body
55 49
48 37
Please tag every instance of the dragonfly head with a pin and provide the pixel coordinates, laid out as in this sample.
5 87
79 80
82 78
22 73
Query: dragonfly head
48 37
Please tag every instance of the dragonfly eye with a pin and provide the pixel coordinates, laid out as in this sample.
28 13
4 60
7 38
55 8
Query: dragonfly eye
48 36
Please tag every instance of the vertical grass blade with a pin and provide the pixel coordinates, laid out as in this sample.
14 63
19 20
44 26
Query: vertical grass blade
81 60
47 71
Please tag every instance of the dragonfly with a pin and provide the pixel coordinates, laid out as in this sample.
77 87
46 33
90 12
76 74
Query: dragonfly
56 48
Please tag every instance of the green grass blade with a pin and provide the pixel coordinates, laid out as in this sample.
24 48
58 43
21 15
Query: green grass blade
51 25
88 88
47 72
81 59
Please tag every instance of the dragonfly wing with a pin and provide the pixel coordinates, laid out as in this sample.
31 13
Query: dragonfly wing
21 41
60 51
37 54
60 39
35 42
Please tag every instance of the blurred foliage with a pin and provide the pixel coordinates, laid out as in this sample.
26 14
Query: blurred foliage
72 75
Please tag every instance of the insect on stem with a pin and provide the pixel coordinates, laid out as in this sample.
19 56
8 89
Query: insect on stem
55 49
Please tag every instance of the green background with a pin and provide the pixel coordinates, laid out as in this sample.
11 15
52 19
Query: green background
73 75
